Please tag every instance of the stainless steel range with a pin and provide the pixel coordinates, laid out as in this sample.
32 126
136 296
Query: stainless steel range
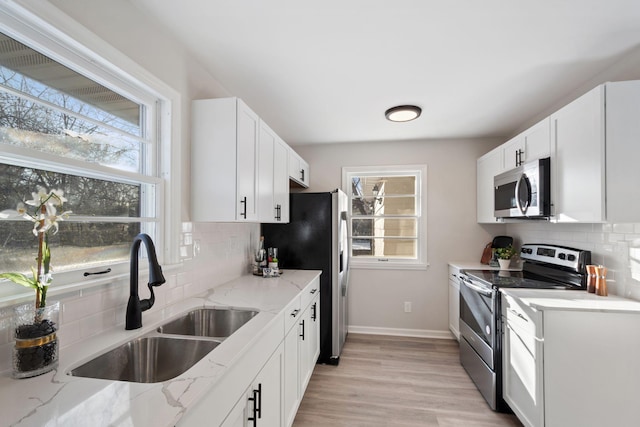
544 267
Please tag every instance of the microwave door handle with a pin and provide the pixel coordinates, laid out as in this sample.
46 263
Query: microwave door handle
522 208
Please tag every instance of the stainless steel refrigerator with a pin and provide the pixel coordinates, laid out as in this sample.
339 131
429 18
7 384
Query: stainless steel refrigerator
316 239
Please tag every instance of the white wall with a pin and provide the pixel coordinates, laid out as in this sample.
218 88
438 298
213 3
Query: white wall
377 297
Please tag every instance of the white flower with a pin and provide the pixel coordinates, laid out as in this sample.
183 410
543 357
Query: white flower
38 197
21 209
57 197
9 213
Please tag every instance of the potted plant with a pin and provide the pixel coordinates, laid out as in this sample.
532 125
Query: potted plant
504 256
35 325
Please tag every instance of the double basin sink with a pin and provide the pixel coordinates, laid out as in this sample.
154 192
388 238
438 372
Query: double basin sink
170 350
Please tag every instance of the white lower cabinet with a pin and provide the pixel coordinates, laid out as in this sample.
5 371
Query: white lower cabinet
309 341
265 385
301 348
522 375
292 397
260 405
454 301
571 367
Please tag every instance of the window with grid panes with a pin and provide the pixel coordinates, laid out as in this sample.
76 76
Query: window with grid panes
387 216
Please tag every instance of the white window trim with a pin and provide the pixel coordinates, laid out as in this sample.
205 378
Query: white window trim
39 24
421 262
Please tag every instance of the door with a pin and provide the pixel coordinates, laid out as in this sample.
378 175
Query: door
247 123
342 269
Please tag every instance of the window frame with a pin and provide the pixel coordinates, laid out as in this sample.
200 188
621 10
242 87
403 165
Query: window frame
99 61
420 172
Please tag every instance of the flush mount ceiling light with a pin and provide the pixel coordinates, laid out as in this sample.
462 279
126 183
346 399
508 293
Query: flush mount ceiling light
403 113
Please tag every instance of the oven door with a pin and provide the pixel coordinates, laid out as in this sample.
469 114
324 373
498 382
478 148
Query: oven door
478 324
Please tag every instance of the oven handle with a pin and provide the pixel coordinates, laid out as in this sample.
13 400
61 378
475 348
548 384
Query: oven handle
486 292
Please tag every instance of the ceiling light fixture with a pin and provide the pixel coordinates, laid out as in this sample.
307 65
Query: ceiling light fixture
403 113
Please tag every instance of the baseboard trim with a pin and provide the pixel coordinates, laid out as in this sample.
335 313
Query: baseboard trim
418 333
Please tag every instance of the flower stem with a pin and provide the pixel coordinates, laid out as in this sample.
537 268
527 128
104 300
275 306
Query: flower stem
39 297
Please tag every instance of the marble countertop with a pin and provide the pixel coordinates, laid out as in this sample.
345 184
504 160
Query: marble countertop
57 399
572 300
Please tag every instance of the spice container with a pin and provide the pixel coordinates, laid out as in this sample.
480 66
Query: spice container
601 281
591 278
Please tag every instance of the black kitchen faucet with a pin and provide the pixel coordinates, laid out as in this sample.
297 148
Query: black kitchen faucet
135 307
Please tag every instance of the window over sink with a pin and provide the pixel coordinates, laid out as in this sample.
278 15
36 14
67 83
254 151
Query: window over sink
387 216
69 120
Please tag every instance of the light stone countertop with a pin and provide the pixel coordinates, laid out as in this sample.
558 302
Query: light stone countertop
572 300
57 399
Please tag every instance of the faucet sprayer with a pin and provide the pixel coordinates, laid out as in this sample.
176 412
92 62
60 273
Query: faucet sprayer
135 307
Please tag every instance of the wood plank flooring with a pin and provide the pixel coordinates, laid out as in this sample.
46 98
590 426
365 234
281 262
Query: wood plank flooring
396 381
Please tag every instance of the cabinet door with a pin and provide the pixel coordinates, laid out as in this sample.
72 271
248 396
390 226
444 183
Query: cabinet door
266 173
537 141
314 331
247 123
281 180
291 375
309 342
512 153
578 176
454 306
260 405
522 381
298 169
304 172
269 386
487 167
237 417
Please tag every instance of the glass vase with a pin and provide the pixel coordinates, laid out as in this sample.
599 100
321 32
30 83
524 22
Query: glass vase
36 341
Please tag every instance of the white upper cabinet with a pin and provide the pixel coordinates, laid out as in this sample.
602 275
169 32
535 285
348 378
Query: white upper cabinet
532 144
578 163
273 177
239 166
224 162
488 166
594 150
298 169
281 180
596 156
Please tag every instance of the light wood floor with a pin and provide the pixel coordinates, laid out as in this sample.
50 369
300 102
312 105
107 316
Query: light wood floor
396 381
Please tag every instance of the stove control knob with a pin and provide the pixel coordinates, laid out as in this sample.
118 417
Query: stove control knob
571 257
562 256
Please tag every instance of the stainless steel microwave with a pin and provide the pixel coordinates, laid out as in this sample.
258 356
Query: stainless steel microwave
523 192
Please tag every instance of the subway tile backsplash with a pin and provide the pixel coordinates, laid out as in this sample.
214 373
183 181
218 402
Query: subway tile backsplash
616 246
211 254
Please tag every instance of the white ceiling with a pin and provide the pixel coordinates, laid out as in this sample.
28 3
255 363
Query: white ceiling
325 71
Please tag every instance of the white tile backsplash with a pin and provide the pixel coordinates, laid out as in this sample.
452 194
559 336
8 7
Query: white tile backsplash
616 246
224 255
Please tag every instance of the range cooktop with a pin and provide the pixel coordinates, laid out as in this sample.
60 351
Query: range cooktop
545 267
514 279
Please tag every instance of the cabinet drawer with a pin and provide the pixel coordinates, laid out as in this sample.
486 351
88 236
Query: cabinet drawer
521 317
310 291
291 314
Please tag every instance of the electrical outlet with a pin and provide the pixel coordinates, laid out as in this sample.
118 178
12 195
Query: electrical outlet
407 307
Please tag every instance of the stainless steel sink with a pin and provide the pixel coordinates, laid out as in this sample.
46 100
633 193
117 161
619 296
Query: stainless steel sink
147 359
209 322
